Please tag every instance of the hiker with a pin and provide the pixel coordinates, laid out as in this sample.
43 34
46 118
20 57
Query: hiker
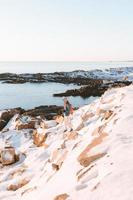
68 110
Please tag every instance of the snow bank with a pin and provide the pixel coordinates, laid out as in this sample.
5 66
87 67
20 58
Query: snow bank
92 162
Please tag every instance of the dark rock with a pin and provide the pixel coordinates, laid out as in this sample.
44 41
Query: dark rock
16 81
47 112
79 77
97 88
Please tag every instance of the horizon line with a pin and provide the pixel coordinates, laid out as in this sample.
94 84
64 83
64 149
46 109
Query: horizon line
66 61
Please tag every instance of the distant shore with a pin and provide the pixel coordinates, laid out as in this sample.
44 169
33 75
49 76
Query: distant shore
93 83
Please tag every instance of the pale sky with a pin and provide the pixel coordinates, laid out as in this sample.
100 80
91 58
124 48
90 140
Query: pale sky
66 30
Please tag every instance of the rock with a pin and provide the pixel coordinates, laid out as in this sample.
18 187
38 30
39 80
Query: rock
94 88
86 161
99 130
100 111
6 115
59 119
87 157
15 81
30 125
58 156
39 139
17 172
43 125
14 187
87 116
108 114
8 156
27 122
71 135
61 197
46 112
85 171
55 167
80 127
2 124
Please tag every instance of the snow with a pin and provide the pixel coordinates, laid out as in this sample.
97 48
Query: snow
107 74
107 178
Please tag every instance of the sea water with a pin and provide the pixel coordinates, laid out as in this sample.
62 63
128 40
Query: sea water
30 95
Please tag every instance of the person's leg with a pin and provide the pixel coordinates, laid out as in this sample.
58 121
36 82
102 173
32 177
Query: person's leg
69 123
65 122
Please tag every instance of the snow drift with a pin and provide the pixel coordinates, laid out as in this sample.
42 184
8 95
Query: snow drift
93 162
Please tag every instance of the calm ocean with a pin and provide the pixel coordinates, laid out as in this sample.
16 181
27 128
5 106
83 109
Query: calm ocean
30 95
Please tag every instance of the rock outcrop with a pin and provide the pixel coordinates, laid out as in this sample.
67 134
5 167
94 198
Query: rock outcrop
88 156
62 197
8 156
14 187
6 115
26 122
48 112
96 88
89 163
39 137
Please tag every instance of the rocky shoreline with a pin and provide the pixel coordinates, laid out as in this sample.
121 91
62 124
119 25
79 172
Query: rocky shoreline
44 112
93 157
96 89
79 77
93 83
50 112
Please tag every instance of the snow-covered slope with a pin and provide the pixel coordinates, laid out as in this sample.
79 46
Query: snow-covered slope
94 162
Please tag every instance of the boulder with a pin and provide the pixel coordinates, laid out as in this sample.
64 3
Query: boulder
8 156
14 187
2 124
87 156
87 160
108 114
6 115
59 119
26 122
43 125
39 138
57 158
30 125
46 112
61 197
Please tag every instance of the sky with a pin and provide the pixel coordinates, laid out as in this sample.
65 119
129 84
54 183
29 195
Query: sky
66 30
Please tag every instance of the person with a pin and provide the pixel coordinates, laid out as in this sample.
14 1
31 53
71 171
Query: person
68 110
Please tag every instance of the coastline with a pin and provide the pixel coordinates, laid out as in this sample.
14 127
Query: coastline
94 157
91 83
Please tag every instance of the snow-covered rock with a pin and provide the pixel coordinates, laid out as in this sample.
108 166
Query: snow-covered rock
39 137
92 162
7 156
